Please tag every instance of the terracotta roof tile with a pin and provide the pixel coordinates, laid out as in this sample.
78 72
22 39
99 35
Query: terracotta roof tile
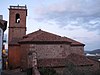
73 42
41 35
56 62
79 59
61 62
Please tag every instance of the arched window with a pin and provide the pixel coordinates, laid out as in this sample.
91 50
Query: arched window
17 19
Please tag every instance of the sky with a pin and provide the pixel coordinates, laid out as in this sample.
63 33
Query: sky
76 19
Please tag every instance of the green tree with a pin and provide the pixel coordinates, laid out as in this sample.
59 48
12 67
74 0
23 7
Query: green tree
47 71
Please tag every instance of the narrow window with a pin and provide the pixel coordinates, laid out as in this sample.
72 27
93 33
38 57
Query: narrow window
17 18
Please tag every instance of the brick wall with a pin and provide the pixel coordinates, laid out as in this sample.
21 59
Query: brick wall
24 56
12 16
14 56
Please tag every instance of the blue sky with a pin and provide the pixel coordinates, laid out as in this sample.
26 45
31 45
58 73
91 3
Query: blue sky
77 19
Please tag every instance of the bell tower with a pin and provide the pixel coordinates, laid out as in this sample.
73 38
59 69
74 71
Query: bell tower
17 23
17 29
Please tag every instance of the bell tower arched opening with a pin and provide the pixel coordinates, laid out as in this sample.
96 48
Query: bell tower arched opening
17 18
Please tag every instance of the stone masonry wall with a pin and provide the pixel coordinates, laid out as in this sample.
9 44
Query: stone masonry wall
46 51
50 50
77 49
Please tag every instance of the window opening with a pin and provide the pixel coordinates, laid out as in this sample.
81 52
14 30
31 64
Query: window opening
17 18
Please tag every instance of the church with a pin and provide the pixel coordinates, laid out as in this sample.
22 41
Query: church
39 48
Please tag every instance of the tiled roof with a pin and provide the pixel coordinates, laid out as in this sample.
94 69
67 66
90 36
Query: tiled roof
76 59
43 36
73 42
79 59
56 62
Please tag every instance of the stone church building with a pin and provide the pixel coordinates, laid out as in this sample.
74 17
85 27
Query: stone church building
39 48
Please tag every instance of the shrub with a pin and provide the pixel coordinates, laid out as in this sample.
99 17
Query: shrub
47 71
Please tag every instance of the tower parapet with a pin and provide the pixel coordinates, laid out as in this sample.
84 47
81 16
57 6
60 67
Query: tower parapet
18 7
